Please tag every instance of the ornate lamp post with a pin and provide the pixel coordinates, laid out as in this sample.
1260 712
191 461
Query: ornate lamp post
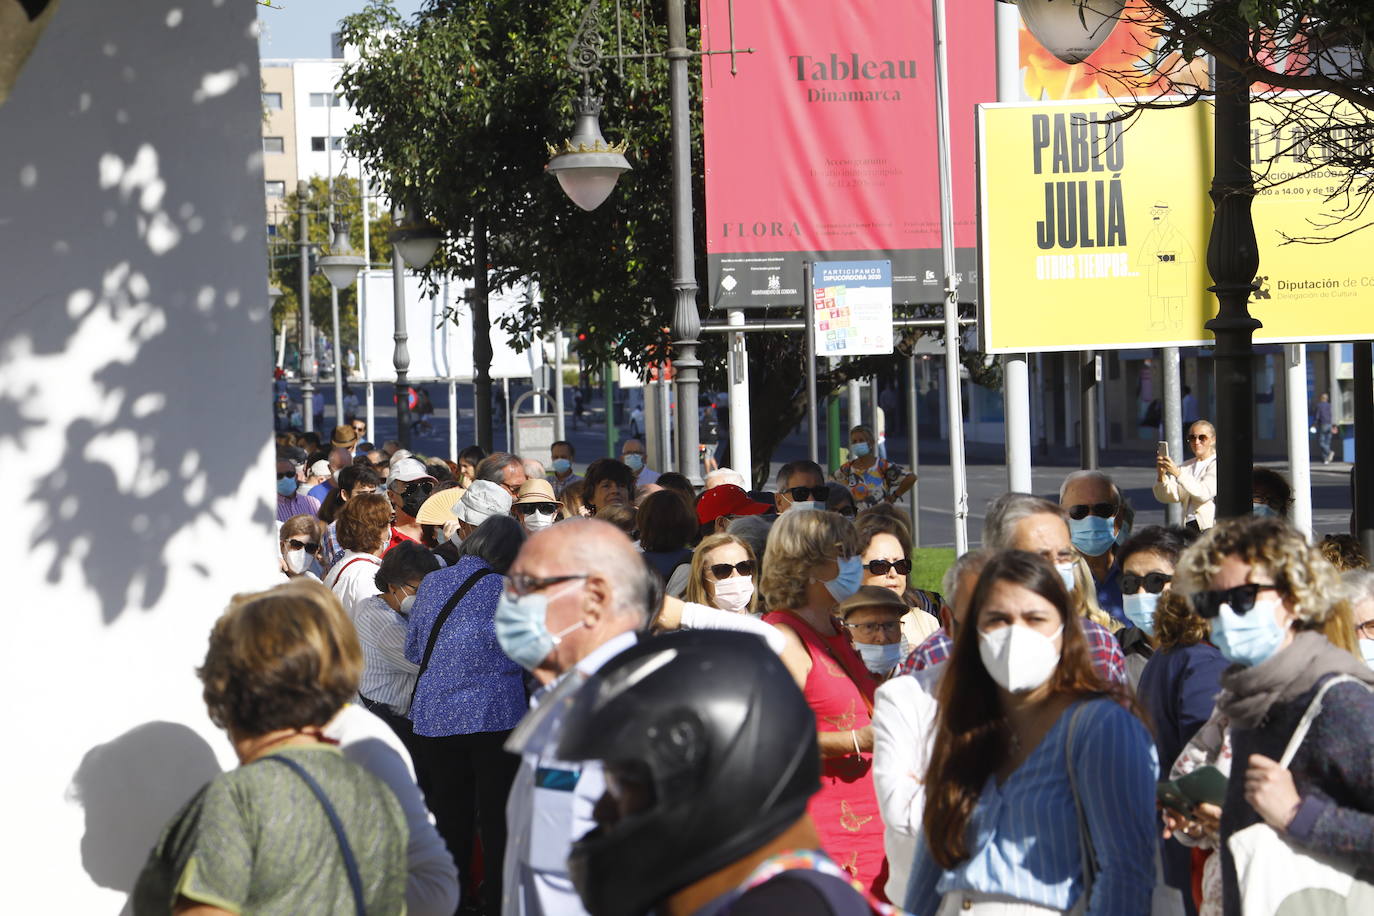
413 242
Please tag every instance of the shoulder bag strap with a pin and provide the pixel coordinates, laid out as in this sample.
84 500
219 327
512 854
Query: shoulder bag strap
1085 845
342 569
355 878
1314 709
439 624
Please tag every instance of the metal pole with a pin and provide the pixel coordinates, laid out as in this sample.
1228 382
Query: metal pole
832 429
505 397
953 394
1173 423
1016 378
371 412
912 442
482 353
1087 409
1299 443
856 408
686 322
812 423
1363 380
307 329
1232 262
400 356
664 390
453 420
741 450
608 386
559 418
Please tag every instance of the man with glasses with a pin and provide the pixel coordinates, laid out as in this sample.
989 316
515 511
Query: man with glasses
801 485
408 485
505 470
1194 483
1099 521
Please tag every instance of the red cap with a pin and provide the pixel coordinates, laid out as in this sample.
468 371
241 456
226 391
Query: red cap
727 499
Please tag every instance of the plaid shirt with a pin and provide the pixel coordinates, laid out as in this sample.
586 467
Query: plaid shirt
1106 652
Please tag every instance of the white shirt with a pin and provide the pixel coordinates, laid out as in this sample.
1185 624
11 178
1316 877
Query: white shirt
904 712
550 807
352 582
388 676
1195 487
431 877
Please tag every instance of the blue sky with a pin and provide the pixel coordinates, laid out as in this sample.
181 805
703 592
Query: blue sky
301 28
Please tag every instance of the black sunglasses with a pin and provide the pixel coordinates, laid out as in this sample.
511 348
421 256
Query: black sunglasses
283 475
723 570
1101 510
422 486
1241 598
307 546
802 494
1201 437
1154 582
531 508
880 567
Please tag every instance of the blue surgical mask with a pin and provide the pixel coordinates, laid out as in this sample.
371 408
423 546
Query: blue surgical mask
286 486
806 504
1248 639
1092 535
561 465
634 461
1263 510
1140 610
521 627
880 659
1066 571
847 580
1123 535
859 449
1367 651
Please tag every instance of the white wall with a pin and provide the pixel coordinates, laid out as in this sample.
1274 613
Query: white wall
135 426
313 76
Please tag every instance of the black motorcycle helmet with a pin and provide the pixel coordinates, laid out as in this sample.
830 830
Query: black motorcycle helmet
722 746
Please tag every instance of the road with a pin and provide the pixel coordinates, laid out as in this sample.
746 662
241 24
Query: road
986 471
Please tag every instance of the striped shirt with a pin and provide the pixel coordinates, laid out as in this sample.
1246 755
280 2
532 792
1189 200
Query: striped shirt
1023 836
388 676
296 504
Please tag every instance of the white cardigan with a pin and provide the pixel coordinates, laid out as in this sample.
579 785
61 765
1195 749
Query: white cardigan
1195 487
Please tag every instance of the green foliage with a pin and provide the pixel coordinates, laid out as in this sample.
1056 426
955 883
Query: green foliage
284 255
928 565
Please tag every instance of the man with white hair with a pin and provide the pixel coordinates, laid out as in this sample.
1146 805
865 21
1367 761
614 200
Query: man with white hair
1099 522
722 476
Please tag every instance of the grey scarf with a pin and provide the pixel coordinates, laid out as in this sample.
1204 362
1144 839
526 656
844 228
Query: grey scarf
1248 693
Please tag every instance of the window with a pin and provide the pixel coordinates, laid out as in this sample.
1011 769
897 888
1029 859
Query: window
271 101
271 229
317 144
275 188
273 145
324 100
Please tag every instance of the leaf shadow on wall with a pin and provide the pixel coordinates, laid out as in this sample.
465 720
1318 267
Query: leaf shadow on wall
134 365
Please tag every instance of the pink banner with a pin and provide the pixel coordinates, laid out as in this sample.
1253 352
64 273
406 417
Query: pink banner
824 142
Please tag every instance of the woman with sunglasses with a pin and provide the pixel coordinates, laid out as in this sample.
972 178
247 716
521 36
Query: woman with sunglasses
722 575
299 542
812 566
1267 596
886 554
870 479
1035 759
1180 681
1194 483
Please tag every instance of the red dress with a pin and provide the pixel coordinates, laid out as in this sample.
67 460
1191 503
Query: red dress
839 690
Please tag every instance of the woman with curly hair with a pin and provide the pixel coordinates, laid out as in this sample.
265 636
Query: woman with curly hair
297 827
1267 597
1035 758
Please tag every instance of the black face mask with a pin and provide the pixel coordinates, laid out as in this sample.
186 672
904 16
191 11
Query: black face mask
412 500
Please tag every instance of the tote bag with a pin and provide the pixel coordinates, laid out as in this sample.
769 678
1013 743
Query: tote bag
1276 877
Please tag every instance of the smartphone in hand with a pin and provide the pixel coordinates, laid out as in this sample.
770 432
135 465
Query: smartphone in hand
1162 450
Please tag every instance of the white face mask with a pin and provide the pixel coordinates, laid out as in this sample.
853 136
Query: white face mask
1066 572
733 594
1018 658
1367 651
538 521
297 561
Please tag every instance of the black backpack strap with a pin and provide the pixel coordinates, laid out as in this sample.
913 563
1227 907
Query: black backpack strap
355 878
439 624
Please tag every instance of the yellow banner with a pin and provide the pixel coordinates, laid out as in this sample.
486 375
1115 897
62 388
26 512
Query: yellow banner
1093 233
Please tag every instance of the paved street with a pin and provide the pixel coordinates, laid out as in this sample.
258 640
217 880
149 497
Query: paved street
986 472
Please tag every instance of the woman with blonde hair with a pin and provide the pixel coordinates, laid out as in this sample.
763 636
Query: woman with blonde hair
296 828
724 573
813 565
1267 596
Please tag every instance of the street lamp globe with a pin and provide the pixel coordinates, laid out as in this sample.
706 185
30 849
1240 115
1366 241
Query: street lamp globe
342 266
1071 30
416 243
587 167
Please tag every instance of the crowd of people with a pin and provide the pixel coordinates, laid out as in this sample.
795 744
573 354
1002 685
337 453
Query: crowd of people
496 685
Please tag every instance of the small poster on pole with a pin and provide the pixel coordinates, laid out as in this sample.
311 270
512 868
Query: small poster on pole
851 305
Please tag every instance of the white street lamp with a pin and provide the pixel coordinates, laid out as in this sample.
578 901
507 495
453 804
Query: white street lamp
587 167
342 266
1071 30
